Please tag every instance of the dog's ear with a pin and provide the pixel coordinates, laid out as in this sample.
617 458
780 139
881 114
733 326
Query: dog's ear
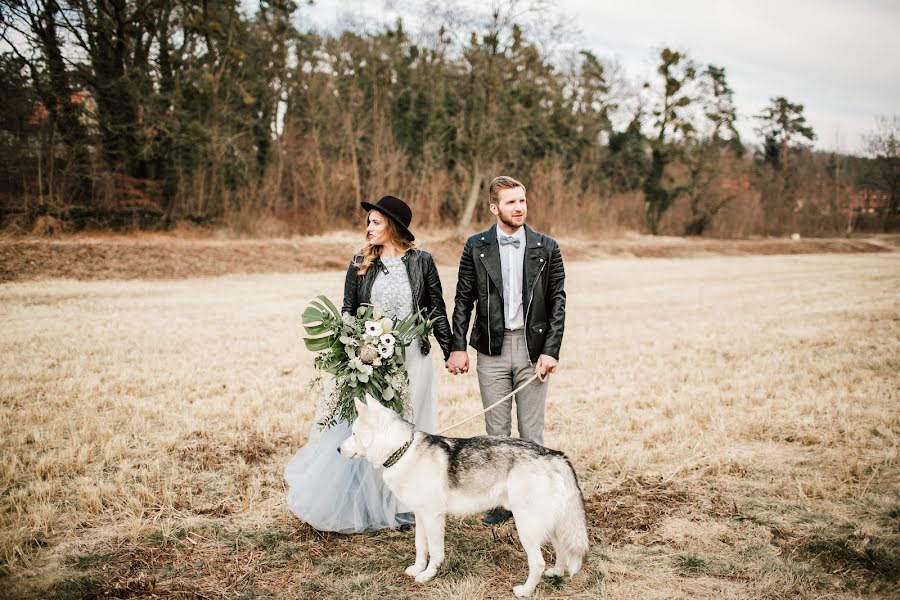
361 407
376 405
372 402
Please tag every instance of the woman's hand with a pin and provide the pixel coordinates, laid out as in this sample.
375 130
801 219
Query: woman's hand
458 362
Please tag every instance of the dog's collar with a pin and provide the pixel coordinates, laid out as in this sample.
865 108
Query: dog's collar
397 455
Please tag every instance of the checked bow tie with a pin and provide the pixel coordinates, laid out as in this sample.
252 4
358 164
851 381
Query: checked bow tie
505 240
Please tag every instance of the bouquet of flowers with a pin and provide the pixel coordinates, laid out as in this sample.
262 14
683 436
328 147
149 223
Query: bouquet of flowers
364 352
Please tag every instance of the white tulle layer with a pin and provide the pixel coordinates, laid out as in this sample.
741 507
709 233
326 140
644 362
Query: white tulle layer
332 493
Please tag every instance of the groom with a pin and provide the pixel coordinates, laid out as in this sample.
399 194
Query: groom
515 276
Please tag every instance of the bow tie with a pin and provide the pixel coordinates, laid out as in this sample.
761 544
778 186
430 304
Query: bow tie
505 240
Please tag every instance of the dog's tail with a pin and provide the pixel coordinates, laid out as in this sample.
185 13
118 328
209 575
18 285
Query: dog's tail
570 531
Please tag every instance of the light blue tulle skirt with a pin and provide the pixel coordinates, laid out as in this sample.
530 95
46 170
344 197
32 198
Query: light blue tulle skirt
333 493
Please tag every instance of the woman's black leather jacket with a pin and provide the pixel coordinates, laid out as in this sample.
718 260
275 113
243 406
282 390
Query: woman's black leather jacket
426 293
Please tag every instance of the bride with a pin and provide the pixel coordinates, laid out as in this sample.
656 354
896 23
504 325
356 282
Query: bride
326 490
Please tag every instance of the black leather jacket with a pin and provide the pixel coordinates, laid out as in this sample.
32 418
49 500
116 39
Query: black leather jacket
426 292
480 285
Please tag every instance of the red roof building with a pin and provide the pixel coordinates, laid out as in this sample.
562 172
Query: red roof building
868 201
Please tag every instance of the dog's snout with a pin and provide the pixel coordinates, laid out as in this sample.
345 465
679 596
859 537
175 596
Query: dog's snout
339 449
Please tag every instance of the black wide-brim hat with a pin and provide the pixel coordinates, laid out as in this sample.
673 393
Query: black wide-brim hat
396 210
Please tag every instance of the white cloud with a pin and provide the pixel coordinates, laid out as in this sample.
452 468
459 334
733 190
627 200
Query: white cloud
839 59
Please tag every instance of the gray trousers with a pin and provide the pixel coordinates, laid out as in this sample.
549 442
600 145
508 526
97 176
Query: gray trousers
498 376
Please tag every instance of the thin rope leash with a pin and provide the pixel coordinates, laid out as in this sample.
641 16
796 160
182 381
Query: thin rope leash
495 404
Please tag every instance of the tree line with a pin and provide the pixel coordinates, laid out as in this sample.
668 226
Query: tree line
193 109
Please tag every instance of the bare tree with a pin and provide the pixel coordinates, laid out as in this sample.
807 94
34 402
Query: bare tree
494 60
883 145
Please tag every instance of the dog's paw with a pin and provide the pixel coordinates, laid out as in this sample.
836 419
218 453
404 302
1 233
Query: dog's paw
554 572
425 575
413 570
521 591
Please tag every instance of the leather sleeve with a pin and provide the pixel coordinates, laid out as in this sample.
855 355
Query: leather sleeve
465 298
438 309
351 289
556 305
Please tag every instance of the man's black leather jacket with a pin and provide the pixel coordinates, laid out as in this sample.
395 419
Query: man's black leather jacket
480 285
426 293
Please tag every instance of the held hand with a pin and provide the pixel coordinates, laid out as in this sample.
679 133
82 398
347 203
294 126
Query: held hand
545 365
458 362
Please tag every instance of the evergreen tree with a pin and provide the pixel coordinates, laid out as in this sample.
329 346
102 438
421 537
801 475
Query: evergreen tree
782 124
672 118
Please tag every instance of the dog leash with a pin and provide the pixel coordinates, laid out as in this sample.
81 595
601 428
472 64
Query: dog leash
495 404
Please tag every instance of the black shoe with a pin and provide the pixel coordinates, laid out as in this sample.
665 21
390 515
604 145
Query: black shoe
406 520
496 516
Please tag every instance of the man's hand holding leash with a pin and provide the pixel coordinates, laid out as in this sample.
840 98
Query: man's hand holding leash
545 365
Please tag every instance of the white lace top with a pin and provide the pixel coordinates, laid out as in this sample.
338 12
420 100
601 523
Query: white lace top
391 292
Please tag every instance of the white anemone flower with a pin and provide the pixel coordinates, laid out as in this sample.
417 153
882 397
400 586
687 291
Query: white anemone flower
385 351
387 340
373 328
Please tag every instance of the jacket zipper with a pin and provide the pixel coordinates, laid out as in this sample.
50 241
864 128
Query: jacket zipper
490 349
528 309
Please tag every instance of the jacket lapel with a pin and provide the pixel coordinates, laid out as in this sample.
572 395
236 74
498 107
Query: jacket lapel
489 254
534 259
365 286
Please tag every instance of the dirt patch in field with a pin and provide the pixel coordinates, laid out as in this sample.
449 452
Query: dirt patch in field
635 505
668 247
202 451
162 256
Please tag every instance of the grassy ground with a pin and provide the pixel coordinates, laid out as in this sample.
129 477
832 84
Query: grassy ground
734 423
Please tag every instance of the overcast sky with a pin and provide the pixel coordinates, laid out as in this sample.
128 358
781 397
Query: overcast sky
839 58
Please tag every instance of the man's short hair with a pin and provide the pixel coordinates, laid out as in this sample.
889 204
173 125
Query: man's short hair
503 182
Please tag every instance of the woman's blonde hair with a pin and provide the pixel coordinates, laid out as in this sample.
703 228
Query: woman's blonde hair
369 253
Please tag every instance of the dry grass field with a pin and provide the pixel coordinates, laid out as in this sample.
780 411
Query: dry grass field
734 422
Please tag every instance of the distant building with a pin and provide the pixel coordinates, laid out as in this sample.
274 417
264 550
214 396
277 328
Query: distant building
868 201
867 209
81 98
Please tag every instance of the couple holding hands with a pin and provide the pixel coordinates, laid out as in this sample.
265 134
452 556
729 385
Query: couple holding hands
513 277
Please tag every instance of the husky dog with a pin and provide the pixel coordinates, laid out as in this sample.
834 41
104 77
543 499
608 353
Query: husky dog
436 476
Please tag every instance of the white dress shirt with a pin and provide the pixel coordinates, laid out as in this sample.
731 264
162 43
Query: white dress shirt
512 265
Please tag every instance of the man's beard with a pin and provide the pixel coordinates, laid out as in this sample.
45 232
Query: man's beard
508 221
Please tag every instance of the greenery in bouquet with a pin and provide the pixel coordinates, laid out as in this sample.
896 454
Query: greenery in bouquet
365 353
